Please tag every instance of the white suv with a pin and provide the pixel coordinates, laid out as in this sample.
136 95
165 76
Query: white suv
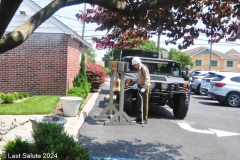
225 88
196 81
205 83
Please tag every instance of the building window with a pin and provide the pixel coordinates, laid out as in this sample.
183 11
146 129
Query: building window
214 63
229 63
198 63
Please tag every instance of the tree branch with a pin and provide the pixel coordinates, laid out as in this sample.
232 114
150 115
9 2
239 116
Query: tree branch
21 33
7 11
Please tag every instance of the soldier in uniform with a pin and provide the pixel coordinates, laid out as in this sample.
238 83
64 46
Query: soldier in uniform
144 85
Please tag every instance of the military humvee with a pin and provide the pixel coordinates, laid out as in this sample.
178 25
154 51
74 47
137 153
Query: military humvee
167 85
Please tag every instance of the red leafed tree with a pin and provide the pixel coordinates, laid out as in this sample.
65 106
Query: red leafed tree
218 20
130 19
96 75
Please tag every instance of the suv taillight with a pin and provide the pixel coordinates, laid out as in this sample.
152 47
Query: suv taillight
220 84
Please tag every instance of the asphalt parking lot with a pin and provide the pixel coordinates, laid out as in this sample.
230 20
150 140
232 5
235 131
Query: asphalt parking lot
209 131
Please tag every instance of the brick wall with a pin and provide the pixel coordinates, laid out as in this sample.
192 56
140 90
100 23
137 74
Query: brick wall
43 65
73 61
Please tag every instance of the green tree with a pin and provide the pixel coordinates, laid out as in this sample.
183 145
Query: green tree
111 55
81 79
91 55
148 45
181 57
115 54
106 58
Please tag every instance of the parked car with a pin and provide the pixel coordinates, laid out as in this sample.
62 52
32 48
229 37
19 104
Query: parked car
225 88
196 82
198 71
205 83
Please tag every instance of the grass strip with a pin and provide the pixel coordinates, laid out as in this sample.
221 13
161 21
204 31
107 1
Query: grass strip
32 105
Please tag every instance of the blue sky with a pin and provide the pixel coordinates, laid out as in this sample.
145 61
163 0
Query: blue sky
67 16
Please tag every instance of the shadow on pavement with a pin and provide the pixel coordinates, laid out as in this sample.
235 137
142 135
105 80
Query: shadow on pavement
131 149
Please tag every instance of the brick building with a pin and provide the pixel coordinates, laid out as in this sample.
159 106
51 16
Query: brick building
47 62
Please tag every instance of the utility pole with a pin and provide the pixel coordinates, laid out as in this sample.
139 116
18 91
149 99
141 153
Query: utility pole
83 29
210 59
158 42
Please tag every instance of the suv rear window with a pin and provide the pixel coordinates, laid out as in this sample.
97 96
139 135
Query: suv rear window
203 74
218 78
210 75
196 72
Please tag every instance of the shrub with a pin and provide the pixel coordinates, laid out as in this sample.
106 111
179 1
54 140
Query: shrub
20 95
81 79
18 146
81 86
8 98
96 75
25 94
15 94
1 95
51 138
79 92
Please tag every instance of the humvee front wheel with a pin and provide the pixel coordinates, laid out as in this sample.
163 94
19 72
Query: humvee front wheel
180 107
127 102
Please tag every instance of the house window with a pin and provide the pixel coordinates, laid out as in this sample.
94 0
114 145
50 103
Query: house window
198 63
229 63
214 63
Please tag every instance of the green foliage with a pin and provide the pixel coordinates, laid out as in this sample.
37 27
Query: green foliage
1 95
107 70
18 146
16 95
79 92
80 81
8 98
114 54
106 58
181 57
20 95
91 55
148 45
51 138
111 55
25 94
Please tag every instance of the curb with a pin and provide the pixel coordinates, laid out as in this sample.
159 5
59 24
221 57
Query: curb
84 113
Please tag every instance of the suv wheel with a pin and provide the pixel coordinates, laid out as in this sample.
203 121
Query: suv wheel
198 90
128 103
233 99
180 107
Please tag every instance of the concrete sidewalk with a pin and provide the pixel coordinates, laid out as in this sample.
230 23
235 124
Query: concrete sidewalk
25 130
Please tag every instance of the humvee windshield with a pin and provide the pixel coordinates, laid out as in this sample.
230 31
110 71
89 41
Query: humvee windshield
158 67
